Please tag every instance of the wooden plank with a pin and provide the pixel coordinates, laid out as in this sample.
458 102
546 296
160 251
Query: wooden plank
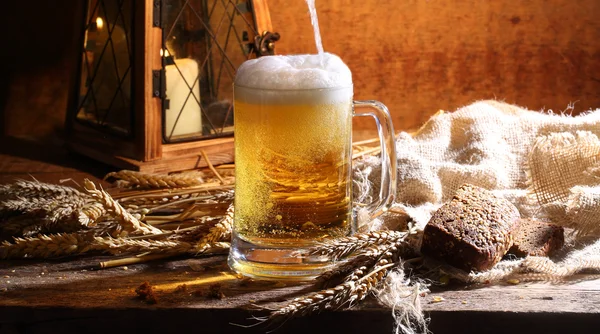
71 290
76 62
148 108
78 283
178 157
262 16
93 139
193 148
188 162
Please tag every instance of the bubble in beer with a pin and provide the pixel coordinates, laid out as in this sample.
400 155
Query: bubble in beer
293 122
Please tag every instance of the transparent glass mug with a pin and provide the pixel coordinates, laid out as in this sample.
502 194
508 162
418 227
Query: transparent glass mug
293 157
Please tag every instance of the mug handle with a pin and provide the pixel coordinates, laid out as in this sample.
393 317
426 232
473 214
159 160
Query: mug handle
385 129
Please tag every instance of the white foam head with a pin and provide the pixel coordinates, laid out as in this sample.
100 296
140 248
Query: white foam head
297 72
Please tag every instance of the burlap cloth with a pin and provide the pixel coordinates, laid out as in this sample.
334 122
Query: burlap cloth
547 164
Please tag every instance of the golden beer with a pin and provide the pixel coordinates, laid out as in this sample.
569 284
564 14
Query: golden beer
293 184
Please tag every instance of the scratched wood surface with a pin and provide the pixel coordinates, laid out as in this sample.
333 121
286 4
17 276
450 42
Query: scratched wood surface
71 295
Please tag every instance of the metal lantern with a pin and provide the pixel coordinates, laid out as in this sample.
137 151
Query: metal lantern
154 85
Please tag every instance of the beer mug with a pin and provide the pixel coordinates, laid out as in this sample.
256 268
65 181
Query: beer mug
293 154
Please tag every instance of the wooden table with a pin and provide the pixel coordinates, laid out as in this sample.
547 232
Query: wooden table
73 296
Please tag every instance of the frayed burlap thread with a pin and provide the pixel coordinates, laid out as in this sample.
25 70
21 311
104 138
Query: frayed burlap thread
401 294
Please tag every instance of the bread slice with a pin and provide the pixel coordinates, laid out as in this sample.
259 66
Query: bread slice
471 232
535 238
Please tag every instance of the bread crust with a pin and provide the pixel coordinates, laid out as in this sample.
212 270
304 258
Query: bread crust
536 238
471 232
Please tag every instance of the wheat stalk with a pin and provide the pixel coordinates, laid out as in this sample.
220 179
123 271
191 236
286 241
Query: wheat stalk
347 293
375 262
150 199
211 167
47 246
129 222
24 205
110 228
54 206
122 246
64 244
156 181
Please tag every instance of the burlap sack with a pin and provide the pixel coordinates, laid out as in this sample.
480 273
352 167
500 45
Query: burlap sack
548 165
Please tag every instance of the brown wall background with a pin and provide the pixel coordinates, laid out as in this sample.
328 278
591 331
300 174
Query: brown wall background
419 56
416 56
36 65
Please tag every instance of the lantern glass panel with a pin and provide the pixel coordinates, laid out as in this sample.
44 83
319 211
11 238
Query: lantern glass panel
105 98
204 41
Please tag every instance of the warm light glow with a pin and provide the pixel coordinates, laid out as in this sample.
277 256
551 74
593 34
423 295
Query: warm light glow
99 23
209 279
164 53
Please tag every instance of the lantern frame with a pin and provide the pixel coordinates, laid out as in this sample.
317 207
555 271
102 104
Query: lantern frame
145 150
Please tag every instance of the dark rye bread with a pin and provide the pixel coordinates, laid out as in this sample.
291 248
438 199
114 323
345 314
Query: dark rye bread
471 232
535 238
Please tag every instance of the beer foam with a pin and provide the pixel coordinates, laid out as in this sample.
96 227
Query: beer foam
294 72
286 79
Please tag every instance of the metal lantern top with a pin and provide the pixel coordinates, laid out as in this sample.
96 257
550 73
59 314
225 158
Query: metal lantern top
161 74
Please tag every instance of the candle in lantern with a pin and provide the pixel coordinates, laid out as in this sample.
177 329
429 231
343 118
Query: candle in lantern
99 23
184 116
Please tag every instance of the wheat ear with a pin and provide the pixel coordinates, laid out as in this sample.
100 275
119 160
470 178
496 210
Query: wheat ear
156 181
44 215
218 233
20 225
47 246
32 189
356 286
342 247
129 222
340 273
347 293
65 244
90 213
41 204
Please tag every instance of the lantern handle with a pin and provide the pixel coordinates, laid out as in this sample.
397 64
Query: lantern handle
264 44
